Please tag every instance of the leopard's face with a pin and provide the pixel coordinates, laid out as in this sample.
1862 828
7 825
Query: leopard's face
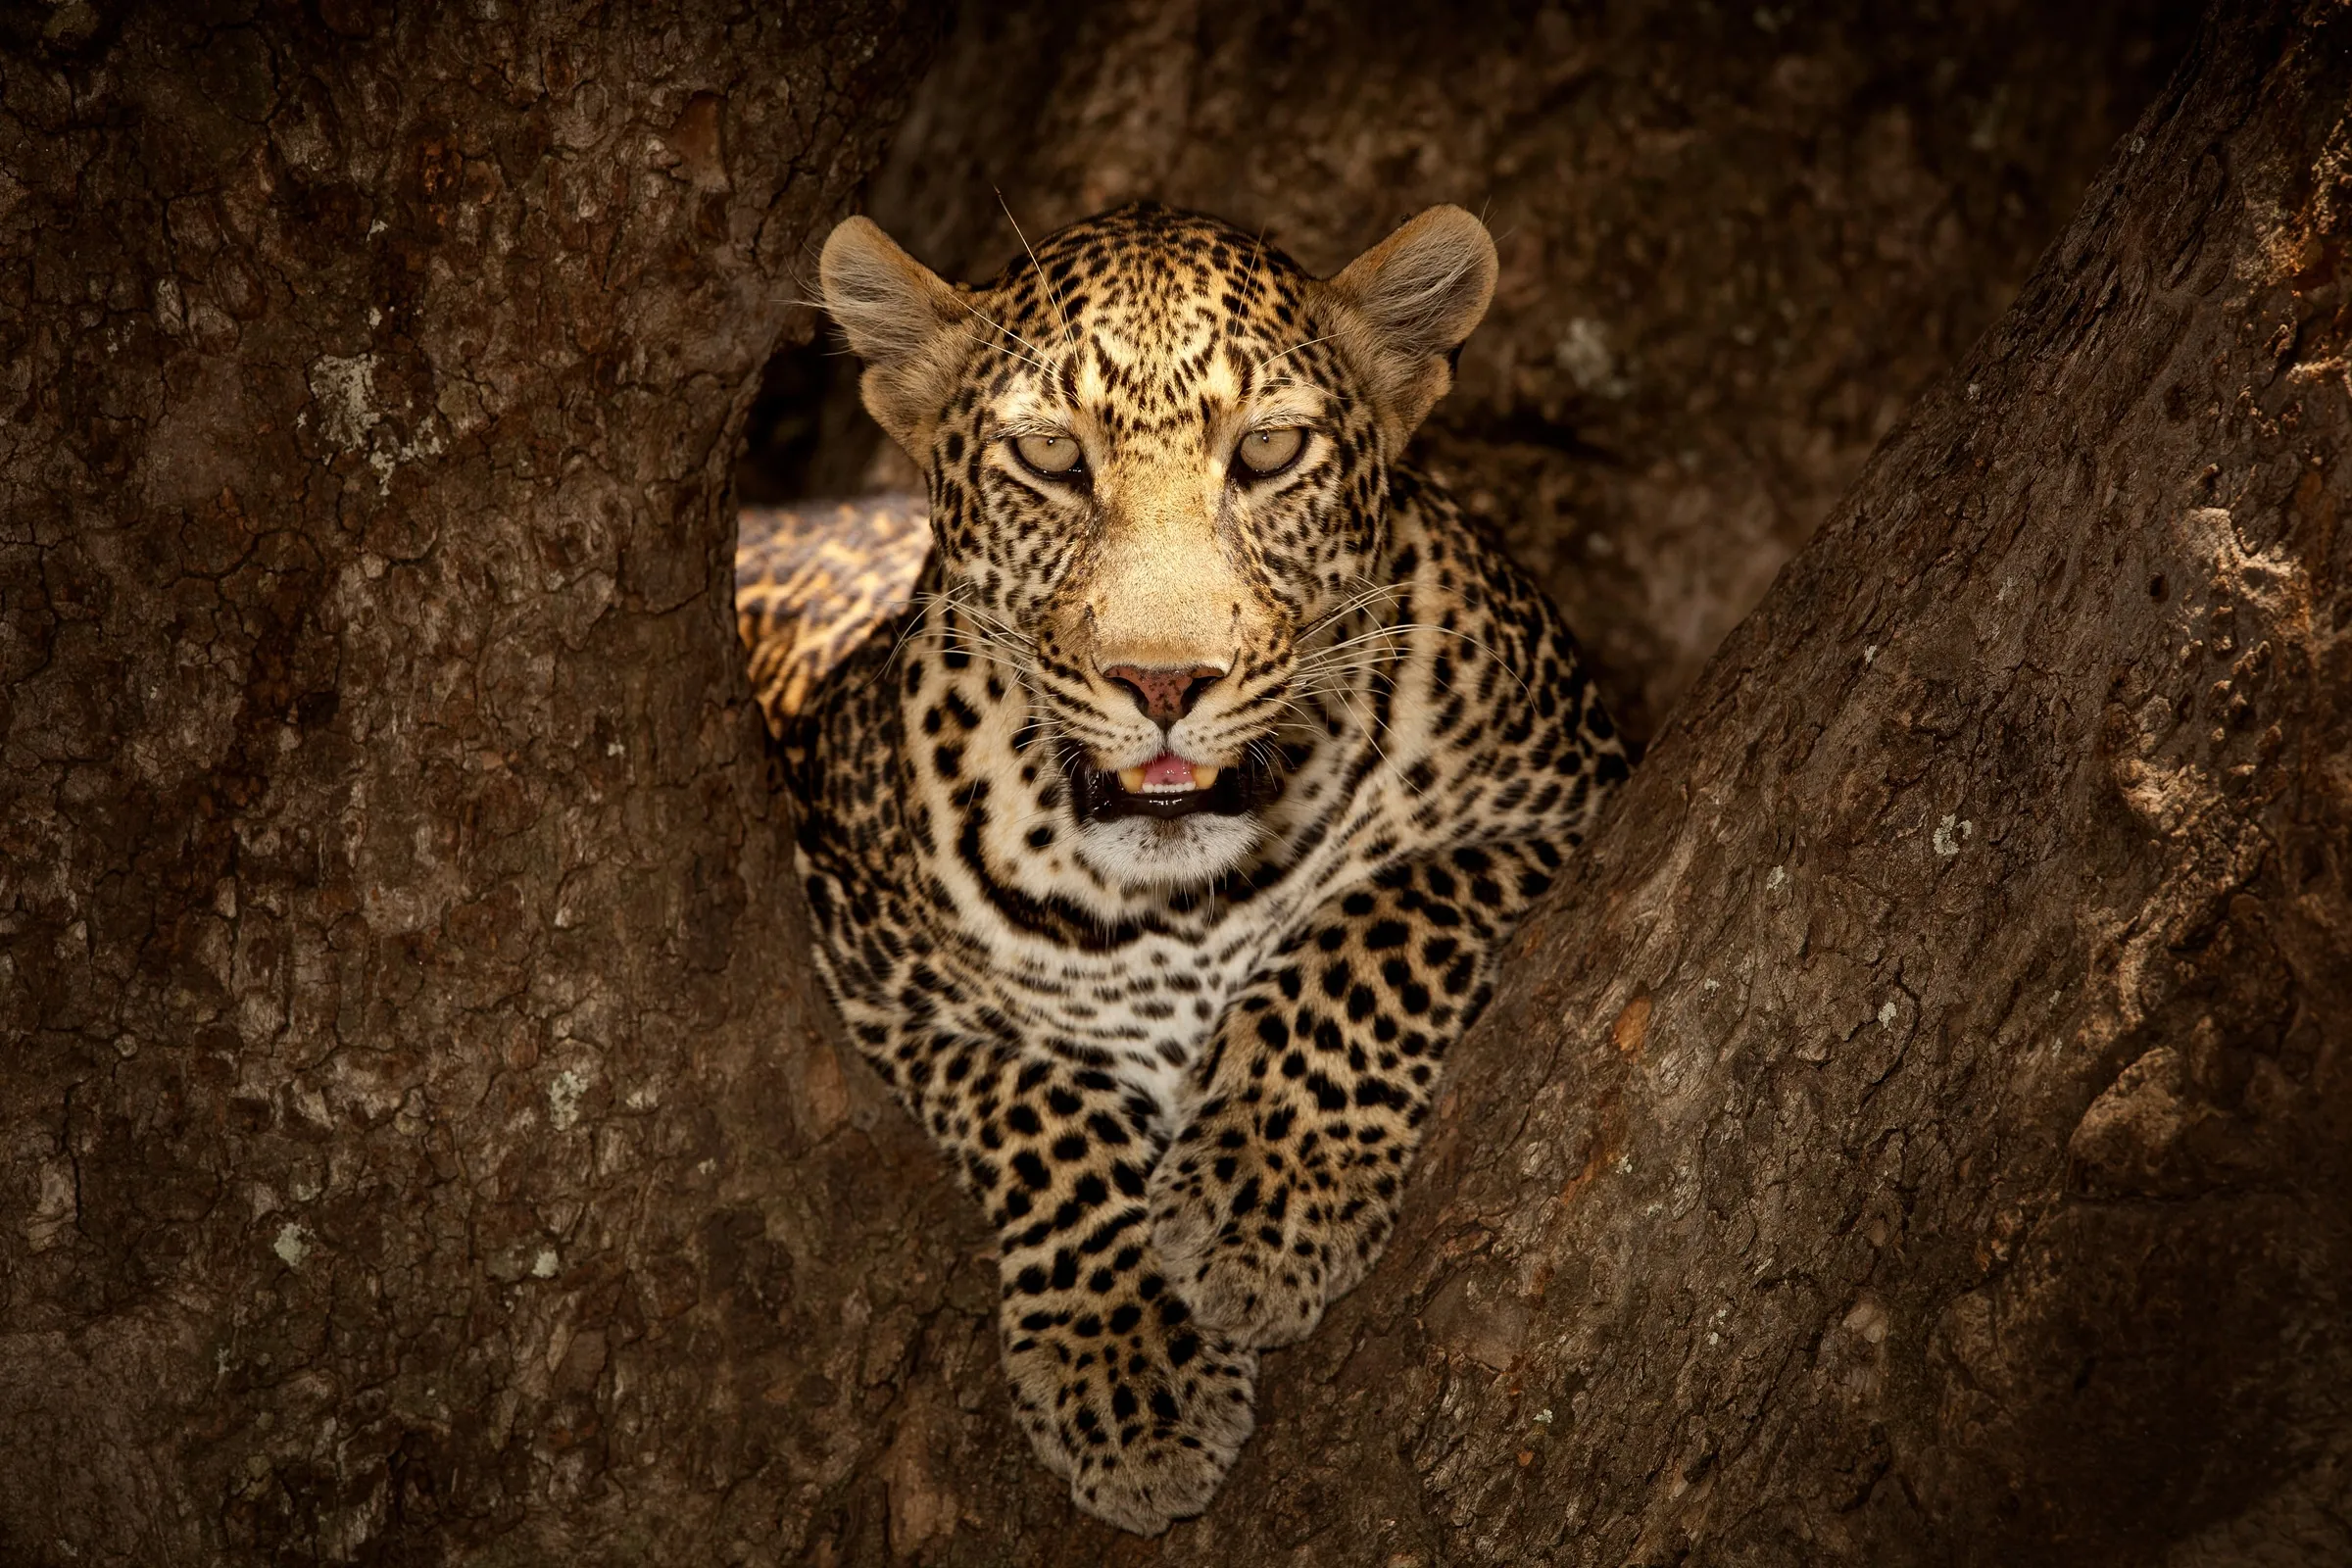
1163 485
1157 453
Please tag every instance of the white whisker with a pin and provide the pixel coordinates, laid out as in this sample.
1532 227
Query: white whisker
1068 336
1292 348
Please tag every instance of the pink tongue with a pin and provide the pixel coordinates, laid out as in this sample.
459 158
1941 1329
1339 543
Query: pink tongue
1168 768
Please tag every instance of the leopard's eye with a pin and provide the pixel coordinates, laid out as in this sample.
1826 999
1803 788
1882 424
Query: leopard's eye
1057 457
1269 452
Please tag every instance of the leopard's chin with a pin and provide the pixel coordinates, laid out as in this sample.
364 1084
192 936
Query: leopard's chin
1156 837
1191 850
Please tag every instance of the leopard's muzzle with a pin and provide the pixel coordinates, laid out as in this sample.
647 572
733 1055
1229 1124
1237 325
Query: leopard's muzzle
1098 795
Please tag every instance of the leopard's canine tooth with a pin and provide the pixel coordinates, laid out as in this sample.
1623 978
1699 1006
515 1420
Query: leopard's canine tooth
1204 774
1132 780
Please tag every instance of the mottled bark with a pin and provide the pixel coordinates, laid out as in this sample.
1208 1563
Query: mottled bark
1918 1135
394 942
1738 241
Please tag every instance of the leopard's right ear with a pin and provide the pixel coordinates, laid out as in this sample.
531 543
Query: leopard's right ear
1411 300
897 313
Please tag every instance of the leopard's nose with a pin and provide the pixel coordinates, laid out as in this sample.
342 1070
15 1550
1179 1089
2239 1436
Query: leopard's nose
1164 695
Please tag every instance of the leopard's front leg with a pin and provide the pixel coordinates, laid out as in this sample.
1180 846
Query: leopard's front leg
1122 1393
1282 1190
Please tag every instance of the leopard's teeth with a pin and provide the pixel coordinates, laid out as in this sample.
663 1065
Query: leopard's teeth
1132 780
1204 774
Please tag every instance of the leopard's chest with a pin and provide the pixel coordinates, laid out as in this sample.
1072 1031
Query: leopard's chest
1143 1011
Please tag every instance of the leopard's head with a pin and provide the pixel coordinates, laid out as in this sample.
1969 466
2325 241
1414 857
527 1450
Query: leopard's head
1158 455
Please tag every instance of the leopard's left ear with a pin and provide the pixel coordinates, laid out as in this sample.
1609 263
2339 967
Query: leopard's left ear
897 313
1409 301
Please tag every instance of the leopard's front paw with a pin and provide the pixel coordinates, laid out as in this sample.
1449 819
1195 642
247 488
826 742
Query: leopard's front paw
1139 1408
1260 1239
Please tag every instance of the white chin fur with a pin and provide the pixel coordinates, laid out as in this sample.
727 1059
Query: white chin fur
1141 851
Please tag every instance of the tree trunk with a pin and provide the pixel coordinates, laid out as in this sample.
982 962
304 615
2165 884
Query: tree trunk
1917 1136
397 931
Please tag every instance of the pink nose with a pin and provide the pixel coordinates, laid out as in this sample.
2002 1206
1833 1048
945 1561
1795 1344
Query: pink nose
1164 695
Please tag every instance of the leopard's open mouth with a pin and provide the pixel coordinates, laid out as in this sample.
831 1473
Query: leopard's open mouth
1167 787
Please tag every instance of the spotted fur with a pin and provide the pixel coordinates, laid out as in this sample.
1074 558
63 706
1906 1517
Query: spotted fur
812 582
1182 1064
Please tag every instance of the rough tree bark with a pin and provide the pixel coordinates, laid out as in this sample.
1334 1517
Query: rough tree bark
1918 1137
392 939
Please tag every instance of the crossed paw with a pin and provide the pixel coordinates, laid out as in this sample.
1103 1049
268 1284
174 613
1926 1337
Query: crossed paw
1139 1407
1260 1235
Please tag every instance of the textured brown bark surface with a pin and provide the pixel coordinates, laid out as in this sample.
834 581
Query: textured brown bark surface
1737 241
1918 1135
393 948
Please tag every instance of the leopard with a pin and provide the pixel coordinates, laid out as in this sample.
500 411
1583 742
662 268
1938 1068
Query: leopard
812 581
1163 847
